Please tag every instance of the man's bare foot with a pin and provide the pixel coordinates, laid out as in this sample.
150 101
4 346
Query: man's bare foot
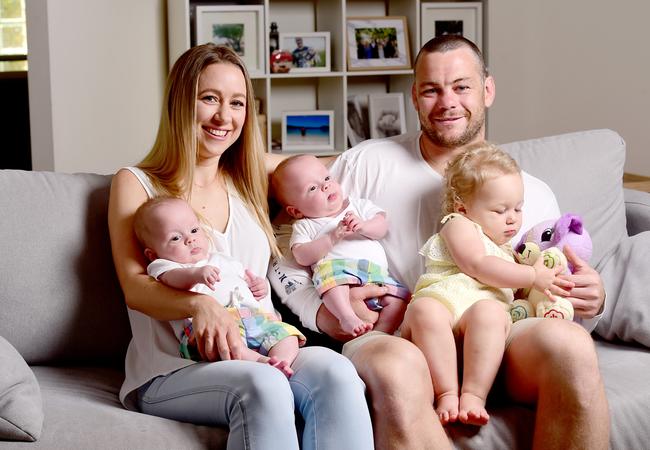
354 326
472 410
447 407
280 364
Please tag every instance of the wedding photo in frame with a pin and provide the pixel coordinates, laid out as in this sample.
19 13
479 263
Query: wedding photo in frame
377 43
460 18
307 131
240 27
310 51
386 115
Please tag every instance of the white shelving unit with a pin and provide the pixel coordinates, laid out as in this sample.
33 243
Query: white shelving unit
311 91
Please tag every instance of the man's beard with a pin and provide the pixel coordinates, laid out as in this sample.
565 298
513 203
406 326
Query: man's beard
440 139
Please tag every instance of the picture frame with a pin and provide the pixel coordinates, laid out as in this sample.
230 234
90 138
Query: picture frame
307 131
358 126
311 52
386 115
240 27
463 18
377 43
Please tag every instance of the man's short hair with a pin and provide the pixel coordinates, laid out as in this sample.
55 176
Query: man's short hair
448 42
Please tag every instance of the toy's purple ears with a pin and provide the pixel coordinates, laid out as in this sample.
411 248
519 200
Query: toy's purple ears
568 223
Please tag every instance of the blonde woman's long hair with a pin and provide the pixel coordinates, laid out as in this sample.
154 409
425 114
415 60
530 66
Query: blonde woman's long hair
467 172
171 161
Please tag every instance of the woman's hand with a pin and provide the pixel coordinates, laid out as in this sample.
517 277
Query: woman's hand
216 331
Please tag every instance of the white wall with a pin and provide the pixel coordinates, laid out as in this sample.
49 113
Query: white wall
96 80
97 68
563 66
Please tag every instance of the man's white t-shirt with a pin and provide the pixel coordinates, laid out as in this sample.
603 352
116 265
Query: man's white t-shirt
393 174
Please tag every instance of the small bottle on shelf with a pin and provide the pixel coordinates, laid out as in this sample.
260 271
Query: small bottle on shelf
274 38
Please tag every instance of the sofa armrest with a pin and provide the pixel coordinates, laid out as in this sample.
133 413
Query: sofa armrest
637 211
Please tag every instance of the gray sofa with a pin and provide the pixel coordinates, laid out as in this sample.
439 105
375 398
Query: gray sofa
64 328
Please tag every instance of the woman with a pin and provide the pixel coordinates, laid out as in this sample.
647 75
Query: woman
209 152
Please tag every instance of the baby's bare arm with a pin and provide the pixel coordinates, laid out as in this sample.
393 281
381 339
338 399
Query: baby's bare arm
257 285
187 277
374 228
308 253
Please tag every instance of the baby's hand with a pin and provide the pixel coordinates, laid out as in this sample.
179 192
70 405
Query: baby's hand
257 285
340 232
352 222
545 278
208 275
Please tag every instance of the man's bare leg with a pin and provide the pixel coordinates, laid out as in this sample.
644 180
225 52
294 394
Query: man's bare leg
553 363
400 393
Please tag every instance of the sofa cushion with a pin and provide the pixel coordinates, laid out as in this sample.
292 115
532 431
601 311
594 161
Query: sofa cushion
82 412
595 191
625 372
60 297
21 409
626 274
585 171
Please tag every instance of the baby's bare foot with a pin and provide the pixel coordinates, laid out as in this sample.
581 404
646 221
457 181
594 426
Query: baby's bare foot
280 364
355 326
447 407
472 410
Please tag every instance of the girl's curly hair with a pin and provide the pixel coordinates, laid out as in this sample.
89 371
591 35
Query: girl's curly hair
467 172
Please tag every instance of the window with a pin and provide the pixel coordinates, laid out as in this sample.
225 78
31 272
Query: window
13 36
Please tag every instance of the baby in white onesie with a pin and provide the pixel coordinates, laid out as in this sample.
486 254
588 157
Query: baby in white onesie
179 250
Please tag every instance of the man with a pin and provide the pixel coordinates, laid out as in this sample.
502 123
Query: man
548 363
304 56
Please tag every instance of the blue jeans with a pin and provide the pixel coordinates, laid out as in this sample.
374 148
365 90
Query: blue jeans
256 401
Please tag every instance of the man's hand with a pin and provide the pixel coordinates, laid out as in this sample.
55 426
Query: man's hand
257 285
588 294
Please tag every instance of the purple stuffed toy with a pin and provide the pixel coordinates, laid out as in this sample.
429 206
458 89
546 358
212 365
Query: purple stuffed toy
547 240
568 229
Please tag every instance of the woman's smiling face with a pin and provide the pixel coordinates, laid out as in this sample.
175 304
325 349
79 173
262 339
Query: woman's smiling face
220 108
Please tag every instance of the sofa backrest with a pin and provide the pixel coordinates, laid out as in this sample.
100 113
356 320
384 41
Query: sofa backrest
585 171
60 301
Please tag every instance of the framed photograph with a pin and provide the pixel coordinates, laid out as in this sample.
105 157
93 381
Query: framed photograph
307 131
310 51
377 43
462 18
386 115
239 27
357 126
